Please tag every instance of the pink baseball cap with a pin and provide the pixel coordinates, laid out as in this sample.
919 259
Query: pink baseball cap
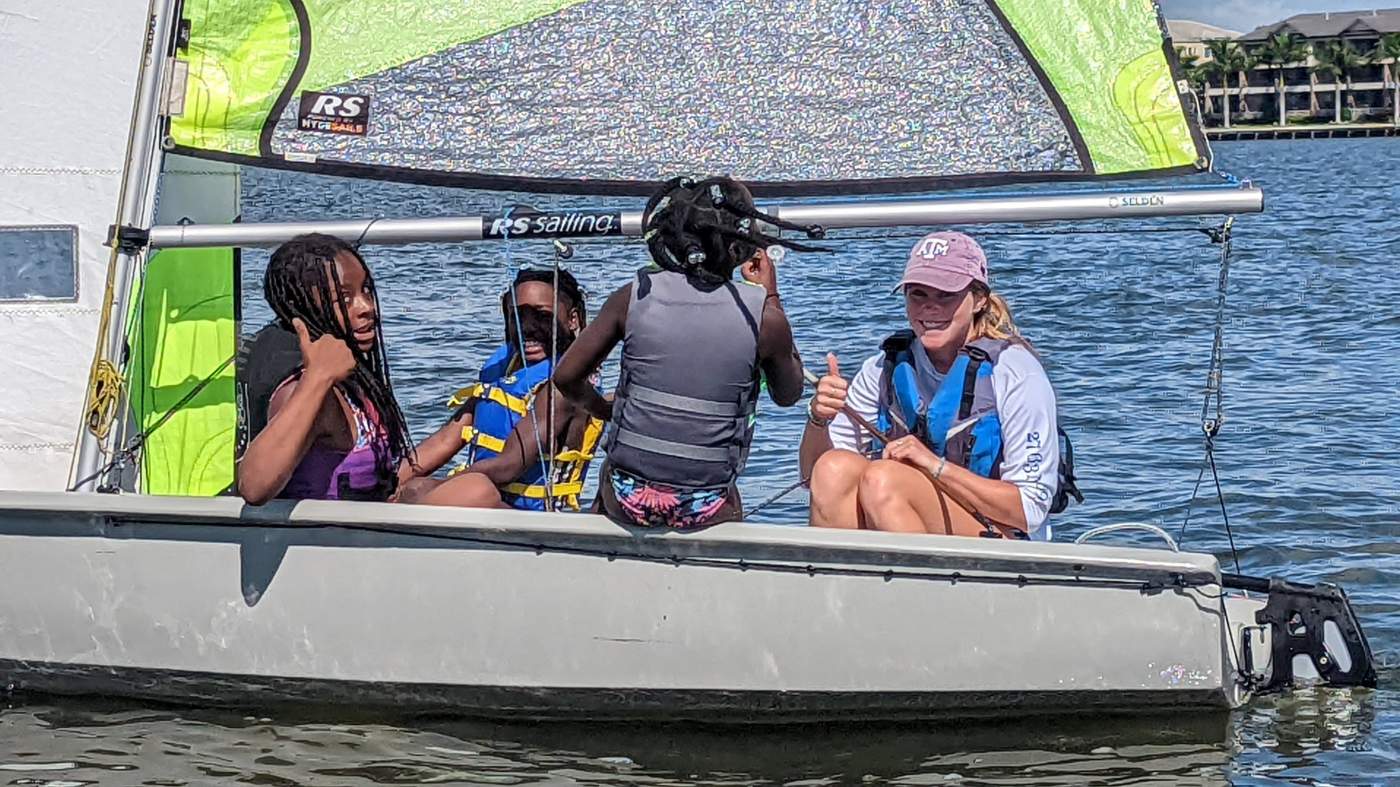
947 261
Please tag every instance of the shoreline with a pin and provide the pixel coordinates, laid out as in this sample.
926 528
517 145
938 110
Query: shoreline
1302 131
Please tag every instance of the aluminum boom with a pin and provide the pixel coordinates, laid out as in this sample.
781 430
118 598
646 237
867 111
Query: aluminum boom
988 209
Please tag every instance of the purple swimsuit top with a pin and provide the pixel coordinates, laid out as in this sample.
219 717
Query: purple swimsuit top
330 474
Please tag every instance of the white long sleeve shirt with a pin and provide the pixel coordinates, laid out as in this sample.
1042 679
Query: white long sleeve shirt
1025 404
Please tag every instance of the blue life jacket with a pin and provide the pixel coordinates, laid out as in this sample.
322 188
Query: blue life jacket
501 401
961 423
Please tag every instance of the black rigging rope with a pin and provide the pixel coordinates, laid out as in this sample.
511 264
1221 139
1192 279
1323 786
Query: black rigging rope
1028 233
787 490
1212 407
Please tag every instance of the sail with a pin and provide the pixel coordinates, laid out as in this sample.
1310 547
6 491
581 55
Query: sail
67 121
605 96
181 333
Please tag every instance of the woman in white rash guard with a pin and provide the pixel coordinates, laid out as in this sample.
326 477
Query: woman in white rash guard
966 402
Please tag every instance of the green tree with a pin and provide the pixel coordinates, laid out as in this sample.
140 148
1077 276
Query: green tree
1389 49
1198 73
1337 59
1281 50
1230 58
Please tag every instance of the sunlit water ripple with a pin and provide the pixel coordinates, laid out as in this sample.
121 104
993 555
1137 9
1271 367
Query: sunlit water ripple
1124 321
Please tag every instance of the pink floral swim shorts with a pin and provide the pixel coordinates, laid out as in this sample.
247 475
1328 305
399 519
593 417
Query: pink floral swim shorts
659 505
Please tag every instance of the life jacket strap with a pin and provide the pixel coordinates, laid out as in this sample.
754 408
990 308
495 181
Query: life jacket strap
641 442
976 357
641 393
489 392
565 495
465 395
537 491
473 436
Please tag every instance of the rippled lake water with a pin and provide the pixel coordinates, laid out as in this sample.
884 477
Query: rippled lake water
1307 458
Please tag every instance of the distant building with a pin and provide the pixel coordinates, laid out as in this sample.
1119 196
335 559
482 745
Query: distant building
1190 36
1362 27
1309 92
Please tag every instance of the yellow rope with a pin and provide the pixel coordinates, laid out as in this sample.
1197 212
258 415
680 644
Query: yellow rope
105 381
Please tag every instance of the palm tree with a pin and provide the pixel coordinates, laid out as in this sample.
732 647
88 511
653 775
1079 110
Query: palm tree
1280 50
1389 49
1198 74
1338 58
1230 58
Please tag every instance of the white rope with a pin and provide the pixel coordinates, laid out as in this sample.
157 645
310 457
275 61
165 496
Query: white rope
520 346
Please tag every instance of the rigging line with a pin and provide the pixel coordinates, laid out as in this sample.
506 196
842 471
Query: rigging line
549 383
520 347
360 240
1190 503
1205 138
147 391
1176 581
138 441
775 498
1212 405
1220 496
105 380
1037 233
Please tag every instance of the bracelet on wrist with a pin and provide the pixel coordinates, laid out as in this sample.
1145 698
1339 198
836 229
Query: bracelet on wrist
938 471
813 418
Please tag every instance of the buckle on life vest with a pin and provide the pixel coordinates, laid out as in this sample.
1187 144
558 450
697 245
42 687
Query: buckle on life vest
465 395
489 392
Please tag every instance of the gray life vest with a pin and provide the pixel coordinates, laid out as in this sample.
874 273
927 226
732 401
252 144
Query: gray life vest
686 394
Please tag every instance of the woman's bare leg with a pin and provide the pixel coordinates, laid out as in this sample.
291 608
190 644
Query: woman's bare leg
467 490
894 496
834 482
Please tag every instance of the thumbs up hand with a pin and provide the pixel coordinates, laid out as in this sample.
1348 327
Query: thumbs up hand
831 391
327 356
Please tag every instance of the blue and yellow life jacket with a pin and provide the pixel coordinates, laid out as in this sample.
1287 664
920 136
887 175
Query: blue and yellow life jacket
961 423
501 401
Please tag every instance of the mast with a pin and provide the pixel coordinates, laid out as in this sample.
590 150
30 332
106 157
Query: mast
135 208
1083 205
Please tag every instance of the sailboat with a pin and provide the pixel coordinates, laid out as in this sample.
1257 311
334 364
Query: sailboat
124 572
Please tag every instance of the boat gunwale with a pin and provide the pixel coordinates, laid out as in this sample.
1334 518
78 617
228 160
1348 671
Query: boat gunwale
586 532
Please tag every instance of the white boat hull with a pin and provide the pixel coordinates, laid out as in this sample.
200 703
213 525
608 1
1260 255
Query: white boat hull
517 614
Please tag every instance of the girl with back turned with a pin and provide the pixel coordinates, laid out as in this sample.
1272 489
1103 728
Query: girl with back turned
693 345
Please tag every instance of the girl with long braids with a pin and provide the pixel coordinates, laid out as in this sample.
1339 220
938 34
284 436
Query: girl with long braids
694 342
333 429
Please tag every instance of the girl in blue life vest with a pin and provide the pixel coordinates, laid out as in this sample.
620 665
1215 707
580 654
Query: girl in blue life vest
975 445
526 447
694 342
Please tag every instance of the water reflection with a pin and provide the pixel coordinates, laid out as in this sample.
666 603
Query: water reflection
87 743
1334 735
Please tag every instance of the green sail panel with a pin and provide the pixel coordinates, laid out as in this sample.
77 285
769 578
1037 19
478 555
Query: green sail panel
182 332
607 96
1115 79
